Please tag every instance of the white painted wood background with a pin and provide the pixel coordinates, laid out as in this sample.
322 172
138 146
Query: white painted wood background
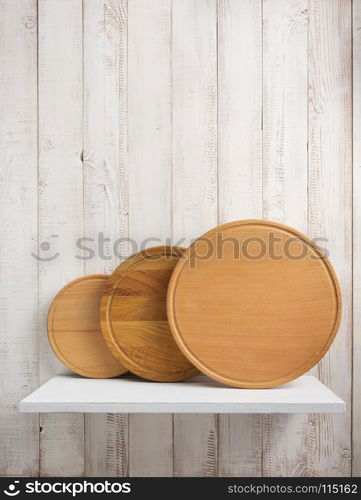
162 118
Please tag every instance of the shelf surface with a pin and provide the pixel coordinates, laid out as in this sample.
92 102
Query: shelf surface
129 394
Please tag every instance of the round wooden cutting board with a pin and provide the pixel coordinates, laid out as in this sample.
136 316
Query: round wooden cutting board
134 317
254 304
74 329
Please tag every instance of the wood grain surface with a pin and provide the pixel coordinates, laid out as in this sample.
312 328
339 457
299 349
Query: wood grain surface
19 353
74 329
194 112
254 304
285 189
239 183
105 190
60 206
150 187
330 209
134 318
356 386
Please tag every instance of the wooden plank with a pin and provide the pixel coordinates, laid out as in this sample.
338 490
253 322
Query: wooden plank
330 207
240 445
18 229
194 76
61 445
285 111
239 182
356 404
286 451
60 205
150 445
150 187
105 190
106 445
239 109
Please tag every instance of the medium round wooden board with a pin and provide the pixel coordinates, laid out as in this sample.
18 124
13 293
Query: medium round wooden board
252 312
134 317
74 329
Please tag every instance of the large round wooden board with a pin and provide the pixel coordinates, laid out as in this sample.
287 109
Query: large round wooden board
134 316
254 304
74 329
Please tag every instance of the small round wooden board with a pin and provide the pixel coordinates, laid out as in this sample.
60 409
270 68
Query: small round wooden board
134 316
254 304
74 329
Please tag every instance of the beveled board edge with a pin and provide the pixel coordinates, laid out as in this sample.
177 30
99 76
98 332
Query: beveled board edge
50 318
239 383
105 306
237 408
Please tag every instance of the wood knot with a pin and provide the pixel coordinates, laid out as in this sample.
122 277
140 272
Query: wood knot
29 23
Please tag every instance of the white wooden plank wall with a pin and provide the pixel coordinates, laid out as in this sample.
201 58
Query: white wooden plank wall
194 63
330 207
240 182
60 214
105 190
150 187
19 357
285 69
160 119
356 402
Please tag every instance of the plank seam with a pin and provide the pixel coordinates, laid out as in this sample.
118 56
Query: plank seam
83 194
38 213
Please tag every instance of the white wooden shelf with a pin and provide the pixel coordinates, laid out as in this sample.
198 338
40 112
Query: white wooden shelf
70 393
